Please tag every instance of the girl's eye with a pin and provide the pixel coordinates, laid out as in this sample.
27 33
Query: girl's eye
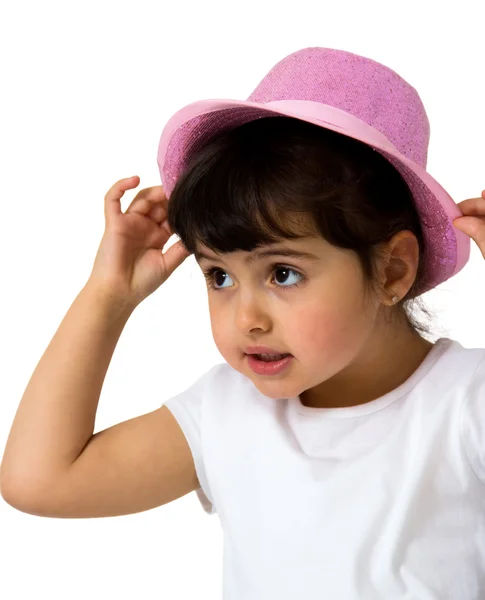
215 276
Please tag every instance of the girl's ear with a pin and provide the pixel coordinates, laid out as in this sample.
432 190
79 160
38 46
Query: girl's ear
402 263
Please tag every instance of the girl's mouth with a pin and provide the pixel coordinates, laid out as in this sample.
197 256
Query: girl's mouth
267 365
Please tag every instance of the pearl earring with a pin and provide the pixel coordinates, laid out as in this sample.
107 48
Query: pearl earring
394 298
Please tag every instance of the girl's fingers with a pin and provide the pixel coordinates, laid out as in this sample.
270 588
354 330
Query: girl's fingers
142 206
473 206
157 213
154 193
472 226
174 257
150 200
166 227
112 205
151 194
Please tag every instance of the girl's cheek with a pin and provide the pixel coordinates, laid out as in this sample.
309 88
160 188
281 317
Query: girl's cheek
310 328
323 330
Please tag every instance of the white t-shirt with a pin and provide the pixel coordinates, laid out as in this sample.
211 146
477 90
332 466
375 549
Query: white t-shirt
381 501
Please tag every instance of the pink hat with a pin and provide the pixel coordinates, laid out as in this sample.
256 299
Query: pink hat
352 95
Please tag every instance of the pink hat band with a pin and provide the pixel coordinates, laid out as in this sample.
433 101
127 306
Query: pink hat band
349 94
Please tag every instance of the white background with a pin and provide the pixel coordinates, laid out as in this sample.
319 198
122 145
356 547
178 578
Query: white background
86 91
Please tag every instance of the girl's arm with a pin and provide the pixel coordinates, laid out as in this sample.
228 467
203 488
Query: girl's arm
53 465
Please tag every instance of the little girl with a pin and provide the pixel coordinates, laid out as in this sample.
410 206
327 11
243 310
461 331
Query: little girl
343 452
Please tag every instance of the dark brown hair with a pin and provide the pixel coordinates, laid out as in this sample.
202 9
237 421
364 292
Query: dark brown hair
244 189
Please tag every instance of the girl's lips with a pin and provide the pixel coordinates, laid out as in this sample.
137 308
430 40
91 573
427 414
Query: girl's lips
261 367
263 350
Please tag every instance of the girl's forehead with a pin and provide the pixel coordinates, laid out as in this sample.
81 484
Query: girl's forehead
310 248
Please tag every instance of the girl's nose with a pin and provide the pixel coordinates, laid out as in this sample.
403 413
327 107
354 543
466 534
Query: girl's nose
252 313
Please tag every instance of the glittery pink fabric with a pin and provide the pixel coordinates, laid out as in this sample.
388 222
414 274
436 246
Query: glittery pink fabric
350 94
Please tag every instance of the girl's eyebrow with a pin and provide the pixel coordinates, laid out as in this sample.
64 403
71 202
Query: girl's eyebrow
263 254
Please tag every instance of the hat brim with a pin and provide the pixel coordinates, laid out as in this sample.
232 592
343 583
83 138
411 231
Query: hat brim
195 125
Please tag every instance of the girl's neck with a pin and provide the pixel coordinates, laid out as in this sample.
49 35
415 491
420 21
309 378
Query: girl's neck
382 365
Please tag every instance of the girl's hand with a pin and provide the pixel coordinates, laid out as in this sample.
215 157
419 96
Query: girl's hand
129 264
473 221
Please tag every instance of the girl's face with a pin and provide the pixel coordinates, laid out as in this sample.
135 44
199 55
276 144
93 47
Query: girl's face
312 307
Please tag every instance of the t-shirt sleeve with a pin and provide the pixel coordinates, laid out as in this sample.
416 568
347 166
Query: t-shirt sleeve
188 408
473 422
